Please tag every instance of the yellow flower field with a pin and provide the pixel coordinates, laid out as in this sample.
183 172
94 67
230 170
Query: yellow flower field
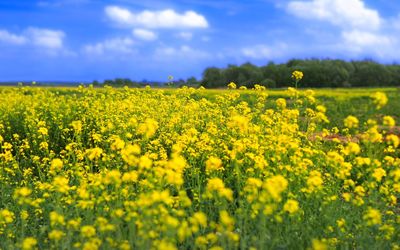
105 168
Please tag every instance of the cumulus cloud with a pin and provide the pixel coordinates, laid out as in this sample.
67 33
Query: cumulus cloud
183 51
119 45
144 34
45 38
185 35
51 39
8 37
395 22
343 13
264 51
364 38
362 31
260 51
155 19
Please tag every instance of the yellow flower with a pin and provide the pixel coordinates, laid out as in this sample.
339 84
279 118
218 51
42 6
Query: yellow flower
92 244
56 235
125 245
29 243
113 177
117 144
56 164
44 145
275 186
22 192
259 87
6 216
372 217
201 218
389 121
372 135
74 224
291 206
341 222
148 128
240 122
380 99
314 181
61 184
77 126
321 108
319 245
94 153
378 174
281 103
145 162
352 148
232 85
297 75
165 245
88 231
216 184
56 219
351 122
393 139
213 164
24 214
346 196
43 131
226 219
131 176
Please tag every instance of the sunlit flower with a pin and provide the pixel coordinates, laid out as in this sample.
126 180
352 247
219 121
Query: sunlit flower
297 75
29 243
373 217
380 99
351 122
232 85
291 206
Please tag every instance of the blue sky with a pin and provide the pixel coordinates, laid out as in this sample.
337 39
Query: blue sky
85 40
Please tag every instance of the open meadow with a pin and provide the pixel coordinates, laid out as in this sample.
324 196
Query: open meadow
125 168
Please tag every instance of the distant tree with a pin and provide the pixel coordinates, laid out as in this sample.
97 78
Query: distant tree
109 82
317 73
212 78
269 83
192 81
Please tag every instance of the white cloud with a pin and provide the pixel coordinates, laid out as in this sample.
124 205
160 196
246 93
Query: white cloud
144 34
184 51
362 31
344 13
44 38
185 35
257 52
264 51
358 39
119 45
156 19
395 22
51 39
8 37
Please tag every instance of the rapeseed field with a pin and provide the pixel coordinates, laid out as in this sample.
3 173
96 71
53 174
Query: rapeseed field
106 168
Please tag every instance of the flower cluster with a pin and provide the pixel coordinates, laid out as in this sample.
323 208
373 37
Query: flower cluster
107 168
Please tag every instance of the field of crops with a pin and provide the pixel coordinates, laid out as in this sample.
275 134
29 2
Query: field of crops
105 168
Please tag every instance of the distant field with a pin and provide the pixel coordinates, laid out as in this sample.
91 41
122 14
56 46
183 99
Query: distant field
106 168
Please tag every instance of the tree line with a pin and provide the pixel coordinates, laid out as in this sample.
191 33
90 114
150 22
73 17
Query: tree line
317 73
